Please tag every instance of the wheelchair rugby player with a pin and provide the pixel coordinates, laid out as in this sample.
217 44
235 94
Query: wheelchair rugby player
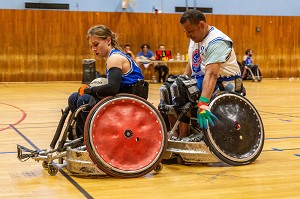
213 97
111 120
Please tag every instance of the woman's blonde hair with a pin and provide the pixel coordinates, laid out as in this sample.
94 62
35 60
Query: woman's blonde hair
102 31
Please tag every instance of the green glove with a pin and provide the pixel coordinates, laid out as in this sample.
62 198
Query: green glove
204 115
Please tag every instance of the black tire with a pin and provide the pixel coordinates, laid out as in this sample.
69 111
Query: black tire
259 77
238 136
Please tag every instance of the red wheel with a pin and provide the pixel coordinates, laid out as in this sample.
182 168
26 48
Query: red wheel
125 136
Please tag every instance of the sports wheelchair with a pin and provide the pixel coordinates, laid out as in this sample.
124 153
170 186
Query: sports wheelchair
124 136
237 138
253 74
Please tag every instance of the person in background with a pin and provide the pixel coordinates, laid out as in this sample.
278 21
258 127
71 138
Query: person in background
143 58
162 69
248 63
128 51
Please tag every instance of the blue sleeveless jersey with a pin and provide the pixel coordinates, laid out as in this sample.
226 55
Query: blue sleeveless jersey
130 77
248 61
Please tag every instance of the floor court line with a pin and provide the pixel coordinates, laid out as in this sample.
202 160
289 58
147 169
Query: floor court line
25 138
272 113
69 178
19 121
282 138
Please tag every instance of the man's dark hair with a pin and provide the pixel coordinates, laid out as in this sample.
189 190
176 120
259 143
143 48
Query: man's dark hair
142 46
193 16
247 51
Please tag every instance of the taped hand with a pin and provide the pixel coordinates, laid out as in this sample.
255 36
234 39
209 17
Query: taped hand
204 115
81 90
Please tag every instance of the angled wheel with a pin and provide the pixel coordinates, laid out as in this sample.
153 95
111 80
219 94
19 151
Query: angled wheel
259 76
125 136
238 136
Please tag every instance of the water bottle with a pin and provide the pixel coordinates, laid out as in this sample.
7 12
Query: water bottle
178 57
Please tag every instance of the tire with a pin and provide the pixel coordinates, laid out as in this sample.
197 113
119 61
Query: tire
237 138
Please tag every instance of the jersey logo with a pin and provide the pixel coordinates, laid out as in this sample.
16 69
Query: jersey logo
196 60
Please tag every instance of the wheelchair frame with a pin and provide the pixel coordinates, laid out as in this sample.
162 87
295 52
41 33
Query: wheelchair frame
66 149
48 156
212 148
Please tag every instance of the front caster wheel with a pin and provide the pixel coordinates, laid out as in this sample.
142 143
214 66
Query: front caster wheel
158 168
45 164
52 170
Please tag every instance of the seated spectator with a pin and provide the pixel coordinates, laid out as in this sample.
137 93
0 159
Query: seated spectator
143 58
162 69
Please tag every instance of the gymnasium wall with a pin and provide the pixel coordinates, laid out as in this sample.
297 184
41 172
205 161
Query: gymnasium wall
46 45
226 7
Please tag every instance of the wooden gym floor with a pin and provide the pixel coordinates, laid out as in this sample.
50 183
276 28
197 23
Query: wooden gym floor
30 113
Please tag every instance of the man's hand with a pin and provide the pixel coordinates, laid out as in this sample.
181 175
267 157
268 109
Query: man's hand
204 115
